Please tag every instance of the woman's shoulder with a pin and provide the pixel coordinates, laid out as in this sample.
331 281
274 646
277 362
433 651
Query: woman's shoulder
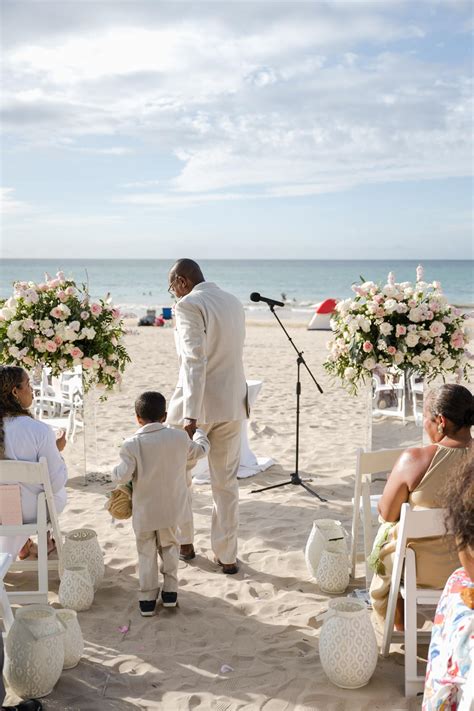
28 424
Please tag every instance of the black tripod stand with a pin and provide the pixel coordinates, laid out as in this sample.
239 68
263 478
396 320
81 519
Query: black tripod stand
295 477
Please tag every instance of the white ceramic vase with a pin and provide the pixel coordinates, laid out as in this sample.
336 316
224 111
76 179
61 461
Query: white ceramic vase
347 644
323 530
34 652
75 590
332 574
73 641
81 547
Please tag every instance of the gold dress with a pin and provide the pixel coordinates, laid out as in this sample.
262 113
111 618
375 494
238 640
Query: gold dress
436 557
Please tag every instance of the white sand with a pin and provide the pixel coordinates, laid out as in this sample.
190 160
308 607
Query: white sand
262 622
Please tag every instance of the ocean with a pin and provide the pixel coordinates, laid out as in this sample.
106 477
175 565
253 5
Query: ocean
138 284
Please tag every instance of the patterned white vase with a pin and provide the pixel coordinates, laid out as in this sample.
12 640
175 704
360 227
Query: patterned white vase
323 530
332 574
81 547
347 644
34 653
73 641
76 590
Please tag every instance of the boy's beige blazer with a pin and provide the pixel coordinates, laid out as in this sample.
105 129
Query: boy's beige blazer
155 460
210 328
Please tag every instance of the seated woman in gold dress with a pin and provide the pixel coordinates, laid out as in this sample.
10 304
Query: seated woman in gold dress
418 477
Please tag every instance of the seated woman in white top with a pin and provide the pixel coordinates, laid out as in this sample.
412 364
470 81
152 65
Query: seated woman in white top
26 439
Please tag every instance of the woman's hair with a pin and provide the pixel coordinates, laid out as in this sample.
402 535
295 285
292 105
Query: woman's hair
10 377
454 402
459 502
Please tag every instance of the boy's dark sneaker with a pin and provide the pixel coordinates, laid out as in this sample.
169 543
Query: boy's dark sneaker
147 608
169 599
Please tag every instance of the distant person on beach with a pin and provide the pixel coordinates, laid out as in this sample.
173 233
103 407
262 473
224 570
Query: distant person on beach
211 391
154 459
419 477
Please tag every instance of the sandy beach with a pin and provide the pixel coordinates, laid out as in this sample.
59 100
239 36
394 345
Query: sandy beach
264 622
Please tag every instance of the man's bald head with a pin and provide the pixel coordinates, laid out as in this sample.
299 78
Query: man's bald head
189 269
183 277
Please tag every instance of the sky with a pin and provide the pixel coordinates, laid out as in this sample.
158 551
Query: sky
237 129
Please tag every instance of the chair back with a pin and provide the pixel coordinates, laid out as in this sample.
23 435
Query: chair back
19 472
376 462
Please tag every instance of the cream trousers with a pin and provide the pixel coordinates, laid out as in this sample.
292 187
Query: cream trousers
149 545
224 460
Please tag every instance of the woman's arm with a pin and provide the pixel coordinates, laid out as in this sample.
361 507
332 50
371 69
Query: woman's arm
405 476
56 465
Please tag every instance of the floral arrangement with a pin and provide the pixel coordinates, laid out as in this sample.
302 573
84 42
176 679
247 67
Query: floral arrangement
407 326
55 324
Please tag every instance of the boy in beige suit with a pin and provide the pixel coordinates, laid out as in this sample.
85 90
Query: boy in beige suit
155 460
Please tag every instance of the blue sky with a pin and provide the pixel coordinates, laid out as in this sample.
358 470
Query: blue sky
237 129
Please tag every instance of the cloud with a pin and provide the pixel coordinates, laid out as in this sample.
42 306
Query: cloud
8 203
244 99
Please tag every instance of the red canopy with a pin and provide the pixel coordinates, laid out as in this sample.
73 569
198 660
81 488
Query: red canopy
327 306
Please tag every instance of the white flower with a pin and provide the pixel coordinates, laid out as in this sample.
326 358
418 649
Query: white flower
11 303
401 308
426 356
75 325
14 332
390 290
31 296
435 363
369 363
412 339
364 323
349 373
398 358
390 306
381 344
88 333
437 328
448 363
415 314
7 313
385 328
416 360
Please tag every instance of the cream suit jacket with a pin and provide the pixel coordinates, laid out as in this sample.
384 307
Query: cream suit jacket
210 328
155 460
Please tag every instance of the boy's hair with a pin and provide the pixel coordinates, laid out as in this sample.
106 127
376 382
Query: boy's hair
151 406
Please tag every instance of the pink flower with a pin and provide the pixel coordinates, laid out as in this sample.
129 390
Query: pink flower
51 346
85 315
76 352
391 350
53 283
379 312
378 298
56 312
96 309
28 361
70 291
400 330
87 363
43 287
437 328
457 339
367 347
62 296
58 340
60 276
115 313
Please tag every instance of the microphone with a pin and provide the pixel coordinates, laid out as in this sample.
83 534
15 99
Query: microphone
255 296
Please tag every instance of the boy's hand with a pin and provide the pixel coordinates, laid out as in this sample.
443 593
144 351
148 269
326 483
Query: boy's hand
190 426
61 439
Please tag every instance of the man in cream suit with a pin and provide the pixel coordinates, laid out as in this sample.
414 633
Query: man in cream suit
211 391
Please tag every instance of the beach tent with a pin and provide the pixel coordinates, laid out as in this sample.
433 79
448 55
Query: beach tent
322 316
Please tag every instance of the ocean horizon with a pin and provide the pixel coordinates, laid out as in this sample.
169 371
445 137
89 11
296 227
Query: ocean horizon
138 284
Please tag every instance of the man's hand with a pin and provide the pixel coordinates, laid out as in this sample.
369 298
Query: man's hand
61 439
190 426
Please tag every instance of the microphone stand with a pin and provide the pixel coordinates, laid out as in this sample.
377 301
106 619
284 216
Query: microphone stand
295 477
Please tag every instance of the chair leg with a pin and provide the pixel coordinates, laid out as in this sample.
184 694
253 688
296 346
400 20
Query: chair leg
6 608
42 547
412 681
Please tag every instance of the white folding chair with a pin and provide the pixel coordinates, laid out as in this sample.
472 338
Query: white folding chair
368 465
413 524
37 474
394 386
5 609
416 387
